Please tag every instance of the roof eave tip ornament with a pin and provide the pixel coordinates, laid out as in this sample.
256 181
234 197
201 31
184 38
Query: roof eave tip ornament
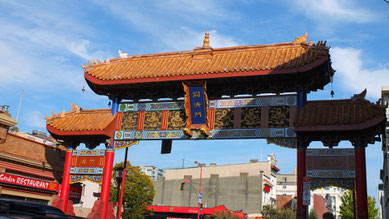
362 95
302 39
206 40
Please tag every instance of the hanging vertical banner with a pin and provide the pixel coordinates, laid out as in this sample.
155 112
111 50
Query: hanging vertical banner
196 105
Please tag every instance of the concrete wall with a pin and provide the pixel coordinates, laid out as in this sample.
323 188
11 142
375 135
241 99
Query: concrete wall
223 171
242 192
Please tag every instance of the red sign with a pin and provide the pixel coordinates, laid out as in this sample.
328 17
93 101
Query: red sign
75 192
307 179
88 161
23 181
96 194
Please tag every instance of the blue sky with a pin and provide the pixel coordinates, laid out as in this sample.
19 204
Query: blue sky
44 43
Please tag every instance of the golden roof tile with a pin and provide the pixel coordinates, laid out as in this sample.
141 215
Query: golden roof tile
81 120
282 57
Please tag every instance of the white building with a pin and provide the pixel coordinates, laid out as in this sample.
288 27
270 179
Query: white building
152 171
287 190
90 193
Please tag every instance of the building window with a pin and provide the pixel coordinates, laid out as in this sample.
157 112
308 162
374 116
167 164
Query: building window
283 187
284 179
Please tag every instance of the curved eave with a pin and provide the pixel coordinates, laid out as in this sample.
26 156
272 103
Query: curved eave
342 127
57 132
85 135
201 76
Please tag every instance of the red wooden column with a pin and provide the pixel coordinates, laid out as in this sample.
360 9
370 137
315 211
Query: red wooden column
361 188
109 157
66 180
106 184
302 210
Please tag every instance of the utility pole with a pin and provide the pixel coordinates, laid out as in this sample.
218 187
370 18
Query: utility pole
200 195
20 103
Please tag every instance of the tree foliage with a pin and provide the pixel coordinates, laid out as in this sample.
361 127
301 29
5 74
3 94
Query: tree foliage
313 214
223 215
138 191
279 213
347 206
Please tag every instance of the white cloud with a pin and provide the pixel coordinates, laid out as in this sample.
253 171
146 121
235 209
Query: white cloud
37 50
156 20
354 76
79 48
334 11
188 39
35 119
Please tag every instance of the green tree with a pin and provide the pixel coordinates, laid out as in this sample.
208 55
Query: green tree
347 206
279 213
313 214
223 215
138 191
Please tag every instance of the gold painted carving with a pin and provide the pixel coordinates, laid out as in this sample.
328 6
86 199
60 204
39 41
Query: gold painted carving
130 121
302 39
153 120
176 120
278 117
224 118
251 117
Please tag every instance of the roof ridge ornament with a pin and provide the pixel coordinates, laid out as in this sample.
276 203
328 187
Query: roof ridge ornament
360 96
302 39
206 40
122 55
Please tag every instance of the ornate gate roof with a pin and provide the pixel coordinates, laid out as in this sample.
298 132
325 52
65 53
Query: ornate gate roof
245 69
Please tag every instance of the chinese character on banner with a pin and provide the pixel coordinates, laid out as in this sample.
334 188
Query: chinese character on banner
196 105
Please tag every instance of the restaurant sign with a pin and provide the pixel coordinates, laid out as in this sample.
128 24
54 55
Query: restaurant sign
23 181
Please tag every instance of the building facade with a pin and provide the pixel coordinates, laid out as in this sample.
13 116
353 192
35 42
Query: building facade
31 165
286 190
152 171
322 199
247 187
384 173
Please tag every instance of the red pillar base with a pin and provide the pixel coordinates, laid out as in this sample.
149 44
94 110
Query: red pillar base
97 211
301 213
58 203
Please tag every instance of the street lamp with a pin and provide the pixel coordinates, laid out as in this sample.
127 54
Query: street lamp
200 195
119 178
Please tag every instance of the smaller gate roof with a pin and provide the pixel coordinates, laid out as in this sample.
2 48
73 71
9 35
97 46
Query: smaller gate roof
352 114
80 122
